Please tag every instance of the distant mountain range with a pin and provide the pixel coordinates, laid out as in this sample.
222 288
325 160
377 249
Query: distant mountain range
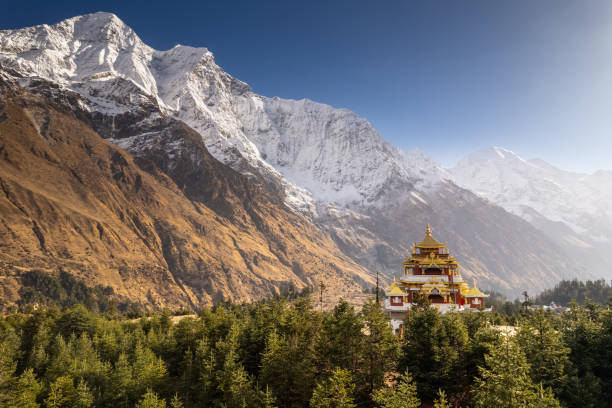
292 191
574 210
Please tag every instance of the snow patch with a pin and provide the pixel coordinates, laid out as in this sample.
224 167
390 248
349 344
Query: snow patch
317 152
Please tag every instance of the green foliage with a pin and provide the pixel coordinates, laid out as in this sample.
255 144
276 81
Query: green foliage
268 399
284 368
545 350
441 401
336 391
401 395
122 381
380 350
176 402
38 287
340 339
149 370
25 390
566 291
500 303
504 381
587 332
435 350
151 400
9 353
61 393
83 397
283 353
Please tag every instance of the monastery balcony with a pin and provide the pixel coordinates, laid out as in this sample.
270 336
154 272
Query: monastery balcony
402 308
426 278
440 307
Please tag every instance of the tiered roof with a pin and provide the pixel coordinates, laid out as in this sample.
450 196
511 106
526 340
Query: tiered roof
441 259
473 292
429 241
394 289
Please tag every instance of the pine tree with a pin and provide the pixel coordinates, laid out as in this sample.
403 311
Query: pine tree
505 381
234 385
268 399
60 361
441 401
452 351
151 400
176 402
435 350
9 352
83 397
380 348
38 358
335 391
543 398
545 350
149 370
208 379
75 321
402 395
122 381
188 376
275 367
340 340
61 393
85 362
25 391
582 333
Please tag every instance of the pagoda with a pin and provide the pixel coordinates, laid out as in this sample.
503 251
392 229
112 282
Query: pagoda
431 273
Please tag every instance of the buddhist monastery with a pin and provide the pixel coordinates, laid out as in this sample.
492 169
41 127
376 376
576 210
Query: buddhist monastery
432 273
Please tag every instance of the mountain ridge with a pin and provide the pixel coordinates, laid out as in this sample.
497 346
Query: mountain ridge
328 165
71 201
571 208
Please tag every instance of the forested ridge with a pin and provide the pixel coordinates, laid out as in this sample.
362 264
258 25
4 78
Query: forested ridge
285 353
566 291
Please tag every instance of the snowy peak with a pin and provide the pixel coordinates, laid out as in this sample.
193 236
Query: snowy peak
534 188
101 27
494 154
97 47
327 163
336 155
75 47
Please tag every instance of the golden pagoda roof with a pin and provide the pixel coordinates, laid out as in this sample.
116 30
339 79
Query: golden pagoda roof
394 289
429 241
473 292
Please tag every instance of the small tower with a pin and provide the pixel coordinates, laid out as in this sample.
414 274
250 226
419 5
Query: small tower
474 297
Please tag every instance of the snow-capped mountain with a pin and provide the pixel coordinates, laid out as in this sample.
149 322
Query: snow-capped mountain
548 197
334 154
328 164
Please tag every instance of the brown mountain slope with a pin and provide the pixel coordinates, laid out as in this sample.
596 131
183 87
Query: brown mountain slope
180 235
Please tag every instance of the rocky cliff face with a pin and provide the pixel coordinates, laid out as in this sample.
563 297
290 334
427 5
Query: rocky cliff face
328 165
169 227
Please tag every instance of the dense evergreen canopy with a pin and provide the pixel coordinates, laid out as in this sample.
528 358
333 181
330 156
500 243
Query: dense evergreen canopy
567 291
284 353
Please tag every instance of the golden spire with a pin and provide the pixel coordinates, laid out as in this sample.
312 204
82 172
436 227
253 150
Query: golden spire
429 241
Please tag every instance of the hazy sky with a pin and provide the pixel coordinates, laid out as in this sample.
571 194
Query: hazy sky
449 77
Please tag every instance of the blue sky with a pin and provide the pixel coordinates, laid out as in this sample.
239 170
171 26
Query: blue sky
448 77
